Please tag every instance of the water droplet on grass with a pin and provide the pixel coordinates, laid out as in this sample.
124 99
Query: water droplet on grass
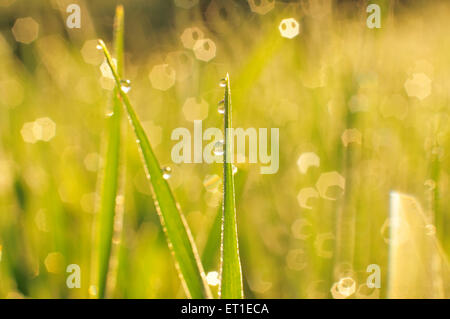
223 83
167 172
218 148
125 85
221 107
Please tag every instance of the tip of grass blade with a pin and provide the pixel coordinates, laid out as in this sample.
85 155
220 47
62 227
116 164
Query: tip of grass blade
231 272
119 10
108 209
100 44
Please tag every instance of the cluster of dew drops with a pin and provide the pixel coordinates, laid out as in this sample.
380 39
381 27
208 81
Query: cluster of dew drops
125 86
219 146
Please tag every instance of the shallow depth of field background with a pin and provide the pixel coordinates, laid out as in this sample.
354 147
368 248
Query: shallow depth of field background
371 104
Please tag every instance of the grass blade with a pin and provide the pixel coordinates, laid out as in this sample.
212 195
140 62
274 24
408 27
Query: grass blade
110 179
175 227
418 265
212 245
211 251
231 274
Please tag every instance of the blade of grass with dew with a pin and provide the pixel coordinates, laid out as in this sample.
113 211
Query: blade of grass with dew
211 251
175 227
230 268
110 178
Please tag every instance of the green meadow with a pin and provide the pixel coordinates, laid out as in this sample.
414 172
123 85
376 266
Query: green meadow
94 205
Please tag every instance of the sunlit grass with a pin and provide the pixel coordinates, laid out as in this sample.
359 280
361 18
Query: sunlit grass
362 112
104 230
230 266
178 234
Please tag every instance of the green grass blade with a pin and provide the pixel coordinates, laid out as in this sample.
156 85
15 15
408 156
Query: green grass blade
212 245
176 229
211 251
231 274
110 178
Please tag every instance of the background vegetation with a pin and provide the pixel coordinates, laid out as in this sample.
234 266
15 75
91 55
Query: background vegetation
371 104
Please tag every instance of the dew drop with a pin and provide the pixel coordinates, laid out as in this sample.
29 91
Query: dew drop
218 148
125 85
109 114
167 172
98 47
223 83
235 169
221 107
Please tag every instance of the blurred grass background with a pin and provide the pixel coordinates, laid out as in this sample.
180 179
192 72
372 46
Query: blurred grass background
389 85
